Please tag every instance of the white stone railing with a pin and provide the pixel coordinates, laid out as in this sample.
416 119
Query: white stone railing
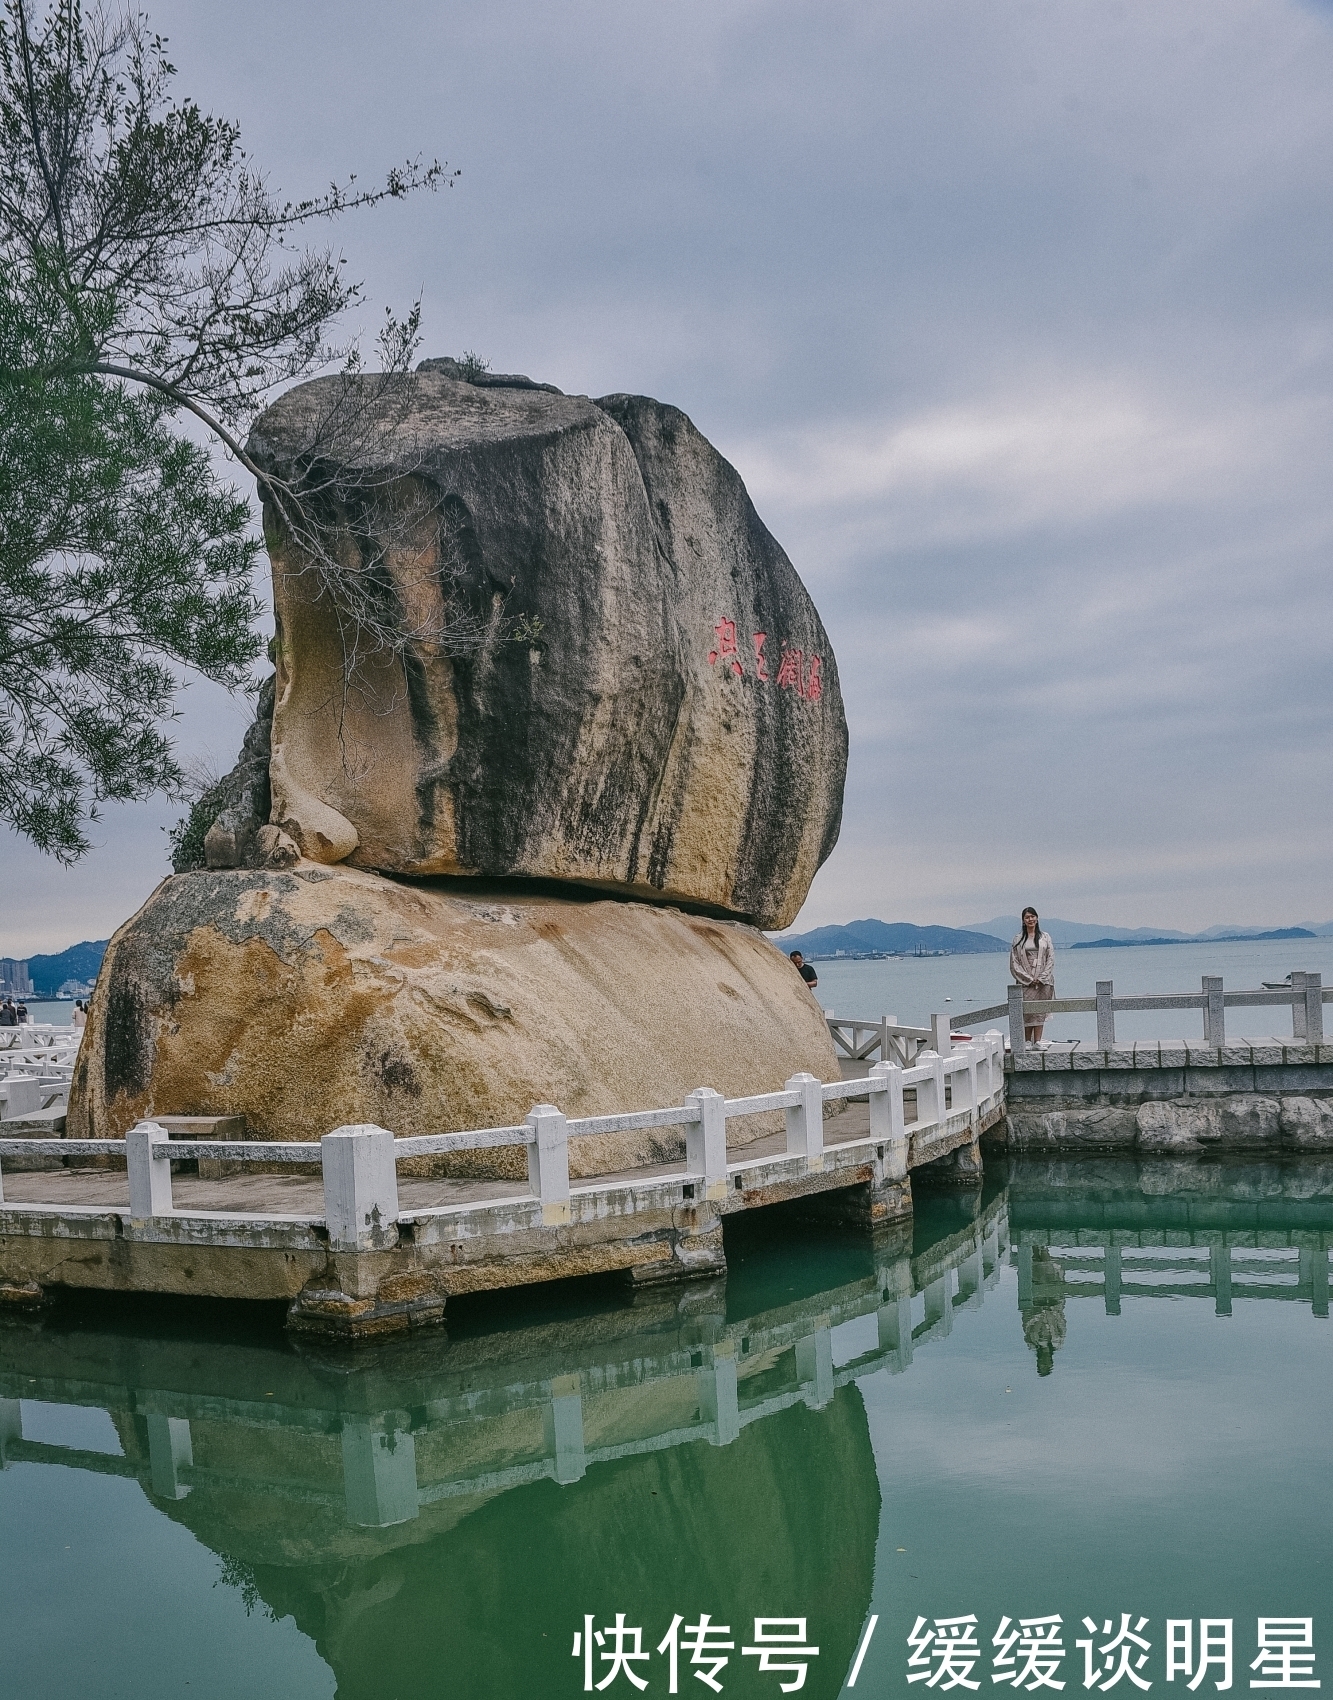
359 1164
1305 997
889 1040
39 1035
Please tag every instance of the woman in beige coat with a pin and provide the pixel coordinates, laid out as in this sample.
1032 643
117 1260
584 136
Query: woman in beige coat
1032 966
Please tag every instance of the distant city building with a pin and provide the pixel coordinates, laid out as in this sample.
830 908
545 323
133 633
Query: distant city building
74 989
14 981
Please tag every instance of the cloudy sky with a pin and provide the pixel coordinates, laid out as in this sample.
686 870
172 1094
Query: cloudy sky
1015 315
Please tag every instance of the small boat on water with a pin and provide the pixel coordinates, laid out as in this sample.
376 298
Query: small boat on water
1277 985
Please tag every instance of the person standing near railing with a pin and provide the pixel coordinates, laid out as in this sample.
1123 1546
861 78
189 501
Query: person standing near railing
1032 966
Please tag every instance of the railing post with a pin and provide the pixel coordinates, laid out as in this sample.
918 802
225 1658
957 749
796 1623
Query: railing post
379 1473
360 1188
996 1061
706 1141
968 1077
719 1404
1112 1270
1023 1254
884 1022
1016 1039
548 1163
805 1121
814 1367
170 1449
1314 1009
938 1114
1219 1271
564 1429
981 1049
887 1120
939 1310
1105 1015
1214 1011
11 1420
149 1172
941 1035
1298 1004
894 1326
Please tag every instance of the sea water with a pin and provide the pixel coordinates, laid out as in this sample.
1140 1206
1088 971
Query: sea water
910 988
1092 1391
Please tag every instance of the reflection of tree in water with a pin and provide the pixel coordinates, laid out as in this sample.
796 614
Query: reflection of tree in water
1044 1318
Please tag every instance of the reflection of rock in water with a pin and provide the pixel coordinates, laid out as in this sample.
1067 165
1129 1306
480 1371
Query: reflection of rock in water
1044 1319
489 1588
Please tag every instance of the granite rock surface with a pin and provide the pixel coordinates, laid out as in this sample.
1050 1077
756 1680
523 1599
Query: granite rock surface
232 841
653 705
313 997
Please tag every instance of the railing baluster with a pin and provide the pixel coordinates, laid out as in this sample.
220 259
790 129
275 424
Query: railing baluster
1314 1009
1105 1015
1017 1042
360 1173
887 1120
548 1162
146 1147
706 1141
805 1121
1214 1011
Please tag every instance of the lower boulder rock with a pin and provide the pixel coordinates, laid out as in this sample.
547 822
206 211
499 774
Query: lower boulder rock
308 998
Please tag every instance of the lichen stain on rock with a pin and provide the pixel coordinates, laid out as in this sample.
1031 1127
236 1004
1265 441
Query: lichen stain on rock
394 1069
127 1047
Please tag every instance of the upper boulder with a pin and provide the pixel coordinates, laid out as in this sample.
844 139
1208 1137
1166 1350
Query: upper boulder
644 698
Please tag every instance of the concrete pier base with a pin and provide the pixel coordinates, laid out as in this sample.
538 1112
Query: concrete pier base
20 1296
696 1253
961 1167
413 1300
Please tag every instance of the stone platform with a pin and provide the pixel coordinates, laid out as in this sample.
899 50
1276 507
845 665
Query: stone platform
1167 1095
356 1250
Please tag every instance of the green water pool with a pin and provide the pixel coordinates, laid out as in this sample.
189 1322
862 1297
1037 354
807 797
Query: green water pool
1095 1389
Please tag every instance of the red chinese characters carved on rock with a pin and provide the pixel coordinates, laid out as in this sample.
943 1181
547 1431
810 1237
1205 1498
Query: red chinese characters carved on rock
726 647
796 671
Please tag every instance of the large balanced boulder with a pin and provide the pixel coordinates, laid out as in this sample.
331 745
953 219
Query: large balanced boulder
609 672
311 998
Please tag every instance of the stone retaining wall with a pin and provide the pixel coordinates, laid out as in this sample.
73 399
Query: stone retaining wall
1270 1098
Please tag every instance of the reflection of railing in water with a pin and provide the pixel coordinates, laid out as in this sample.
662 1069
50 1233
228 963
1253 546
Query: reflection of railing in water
1217 1264
712 1378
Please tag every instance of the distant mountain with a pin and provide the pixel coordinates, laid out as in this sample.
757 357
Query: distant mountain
1082 932
1007 927
79 962
1202 938
881 938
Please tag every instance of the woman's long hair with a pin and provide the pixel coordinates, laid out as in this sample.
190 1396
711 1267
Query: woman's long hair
1023 926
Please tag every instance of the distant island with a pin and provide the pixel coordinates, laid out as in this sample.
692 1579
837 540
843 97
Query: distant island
870 940
1213 938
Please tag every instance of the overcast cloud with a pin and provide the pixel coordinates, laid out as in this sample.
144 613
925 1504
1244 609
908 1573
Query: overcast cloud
1017 318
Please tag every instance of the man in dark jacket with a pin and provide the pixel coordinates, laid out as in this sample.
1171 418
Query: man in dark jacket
804 969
